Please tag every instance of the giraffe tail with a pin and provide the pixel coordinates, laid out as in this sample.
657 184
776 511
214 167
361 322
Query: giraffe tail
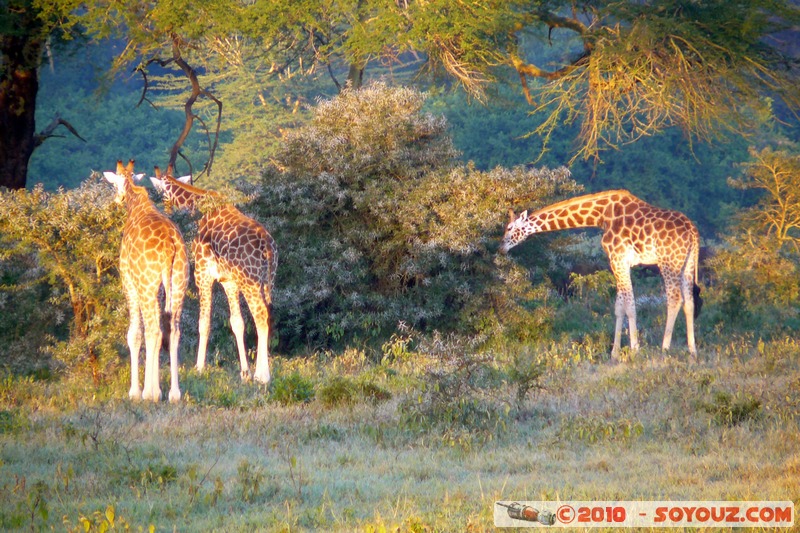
698 300
166 314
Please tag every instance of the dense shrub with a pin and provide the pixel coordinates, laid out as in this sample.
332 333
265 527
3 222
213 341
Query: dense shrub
378 223
757 286
72 240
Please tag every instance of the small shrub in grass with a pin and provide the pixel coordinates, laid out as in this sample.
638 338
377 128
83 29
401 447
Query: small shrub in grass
525 374
730 410
338 391
374 392
213 387
291 388
593 430
250 480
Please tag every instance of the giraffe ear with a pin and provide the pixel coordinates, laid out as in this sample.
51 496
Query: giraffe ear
111 177
185 179
524 214
158 182
138 177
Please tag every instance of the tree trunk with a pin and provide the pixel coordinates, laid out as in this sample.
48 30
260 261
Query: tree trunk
19 83
355 76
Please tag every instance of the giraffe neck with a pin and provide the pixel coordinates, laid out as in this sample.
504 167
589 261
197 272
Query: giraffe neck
136 198
589 211
183 196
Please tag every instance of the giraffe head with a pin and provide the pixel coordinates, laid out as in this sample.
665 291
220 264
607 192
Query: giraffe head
168 186
119 178
517 229
160 180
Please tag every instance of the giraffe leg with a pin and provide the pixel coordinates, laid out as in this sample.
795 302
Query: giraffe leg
623 307
237 325
174 344
630 311
673 292
204 290
135 345
152 340
687 286
260 312
619 311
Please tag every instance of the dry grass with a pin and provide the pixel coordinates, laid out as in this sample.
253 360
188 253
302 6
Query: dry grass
652 428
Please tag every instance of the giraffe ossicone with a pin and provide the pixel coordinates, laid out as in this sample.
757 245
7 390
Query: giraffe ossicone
152 255
241 255
634 233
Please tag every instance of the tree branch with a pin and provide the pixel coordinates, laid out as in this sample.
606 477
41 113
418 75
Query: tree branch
48 131
196 92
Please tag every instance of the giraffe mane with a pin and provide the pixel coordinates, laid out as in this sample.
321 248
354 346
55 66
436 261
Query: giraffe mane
584 198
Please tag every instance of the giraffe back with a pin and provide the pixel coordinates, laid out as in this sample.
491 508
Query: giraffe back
649 235
152 250
244 249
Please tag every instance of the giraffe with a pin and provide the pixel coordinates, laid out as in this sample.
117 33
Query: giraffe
152 254
634 233
235 250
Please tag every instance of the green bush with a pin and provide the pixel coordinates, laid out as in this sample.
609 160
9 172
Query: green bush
727 409
292 388
757 286
71 240
338 391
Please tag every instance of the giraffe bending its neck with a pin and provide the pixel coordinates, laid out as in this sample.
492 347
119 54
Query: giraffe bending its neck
634 233
238 252
152 254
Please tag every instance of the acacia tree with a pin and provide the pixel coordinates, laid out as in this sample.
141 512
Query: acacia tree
628 68
633 68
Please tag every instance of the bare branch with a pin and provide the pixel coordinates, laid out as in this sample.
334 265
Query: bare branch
48 131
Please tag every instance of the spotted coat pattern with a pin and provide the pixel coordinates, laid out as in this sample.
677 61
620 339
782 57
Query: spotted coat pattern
152 255
634 233
241 255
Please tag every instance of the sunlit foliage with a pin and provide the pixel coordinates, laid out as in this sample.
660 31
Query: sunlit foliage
73 237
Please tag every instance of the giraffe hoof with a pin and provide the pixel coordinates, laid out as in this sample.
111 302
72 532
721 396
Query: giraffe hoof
174 396
262 378
135 394
245 375
153 395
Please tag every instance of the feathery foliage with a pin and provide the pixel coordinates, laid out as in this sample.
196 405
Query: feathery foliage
73 239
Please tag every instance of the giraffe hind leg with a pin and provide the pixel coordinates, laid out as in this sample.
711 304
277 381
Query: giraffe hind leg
688 289
260 311
134 345
673 293
237 325
152 339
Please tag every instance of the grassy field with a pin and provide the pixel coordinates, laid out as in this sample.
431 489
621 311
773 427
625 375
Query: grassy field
425 439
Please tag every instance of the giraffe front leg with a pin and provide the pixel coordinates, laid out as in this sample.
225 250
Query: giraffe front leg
633 331
237 325
135 345
619 312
